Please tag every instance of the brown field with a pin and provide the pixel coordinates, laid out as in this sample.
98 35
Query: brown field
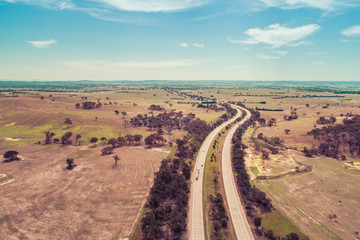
93 201
40 199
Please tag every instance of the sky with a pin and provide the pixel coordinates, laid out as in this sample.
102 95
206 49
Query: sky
180 40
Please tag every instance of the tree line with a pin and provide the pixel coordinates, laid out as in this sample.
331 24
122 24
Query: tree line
337 140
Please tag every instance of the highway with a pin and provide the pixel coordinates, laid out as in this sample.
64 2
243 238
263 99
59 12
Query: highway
196 212
237 213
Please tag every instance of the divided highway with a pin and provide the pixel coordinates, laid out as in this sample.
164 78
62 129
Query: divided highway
196 212
237 213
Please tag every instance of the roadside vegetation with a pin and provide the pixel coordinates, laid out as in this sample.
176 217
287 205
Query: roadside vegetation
216 213
166 209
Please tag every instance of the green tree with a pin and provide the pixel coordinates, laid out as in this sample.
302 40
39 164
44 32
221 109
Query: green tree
77 139
68 122
48 137
94 140
11 156
70 163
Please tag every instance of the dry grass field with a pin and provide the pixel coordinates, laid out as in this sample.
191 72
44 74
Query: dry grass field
93 201
40 199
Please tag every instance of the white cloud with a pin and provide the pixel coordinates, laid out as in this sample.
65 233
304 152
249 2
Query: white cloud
183 45
282 53
318 63
199 45
42 44
278 36
325 5
267 57
352 31
66 5
153 5
103 65
125 11
52 4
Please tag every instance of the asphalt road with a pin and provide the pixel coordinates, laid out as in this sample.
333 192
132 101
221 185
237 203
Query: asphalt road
237 213
196 212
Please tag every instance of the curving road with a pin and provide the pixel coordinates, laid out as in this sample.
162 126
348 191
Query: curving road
196 213
237 213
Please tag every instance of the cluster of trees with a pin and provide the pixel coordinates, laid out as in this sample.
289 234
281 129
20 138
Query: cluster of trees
11 155
293 115
218 214
65 139
166 209
216 108
89 105
154 139
323 120
337 140
270 235
123 113
194 96
128 139
270 143
168 121
154 107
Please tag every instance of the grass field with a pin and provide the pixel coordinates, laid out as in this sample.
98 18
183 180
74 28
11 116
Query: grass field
280 225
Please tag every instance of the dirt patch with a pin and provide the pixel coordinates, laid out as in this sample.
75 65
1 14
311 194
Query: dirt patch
10 124
93 201
14 139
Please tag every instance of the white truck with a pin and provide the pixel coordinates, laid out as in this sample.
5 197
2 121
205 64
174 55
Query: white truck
197 174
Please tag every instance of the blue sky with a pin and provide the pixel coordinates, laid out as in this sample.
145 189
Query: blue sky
180 39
